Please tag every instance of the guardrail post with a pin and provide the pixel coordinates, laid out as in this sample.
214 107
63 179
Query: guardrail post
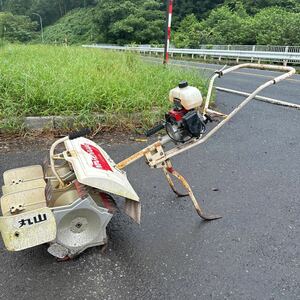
285 62
253 50
192 56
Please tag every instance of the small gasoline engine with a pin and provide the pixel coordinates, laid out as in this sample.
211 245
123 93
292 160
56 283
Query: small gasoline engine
184 121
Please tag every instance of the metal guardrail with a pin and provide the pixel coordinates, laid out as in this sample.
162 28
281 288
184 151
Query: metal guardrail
283 54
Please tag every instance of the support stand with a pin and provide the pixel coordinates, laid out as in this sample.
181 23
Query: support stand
168 169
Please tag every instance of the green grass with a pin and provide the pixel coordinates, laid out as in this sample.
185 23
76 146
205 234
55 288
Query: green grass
38 80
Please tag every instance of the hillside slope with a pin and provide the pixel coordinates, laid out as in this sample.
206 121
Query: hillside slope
76 27
273 22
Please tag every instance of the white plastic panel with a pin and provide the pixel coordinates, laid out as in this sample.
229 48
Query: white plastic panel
93 167
28 229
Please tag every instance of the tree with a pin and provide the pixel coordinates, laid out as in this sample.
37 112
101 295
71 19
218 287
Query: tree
16 7
200 8
50 11
228 26
130 21
109 12
190 33
254 6
195 22
76 27
17 28
222 26
276 26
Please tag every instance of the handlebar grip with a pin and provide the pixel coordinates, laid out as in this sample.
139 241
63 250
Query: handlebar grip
154 129
77 134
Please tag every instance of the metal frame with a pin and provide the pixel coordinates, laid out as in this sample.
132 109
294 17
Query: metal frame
157 157
54 157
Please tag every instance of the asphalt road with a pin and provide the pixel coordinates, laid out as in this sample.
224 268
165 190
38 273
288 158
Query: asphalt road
249 173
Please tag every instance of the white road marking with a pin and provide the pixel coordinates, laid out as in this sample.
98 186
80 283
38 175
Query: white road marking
210 68
260 98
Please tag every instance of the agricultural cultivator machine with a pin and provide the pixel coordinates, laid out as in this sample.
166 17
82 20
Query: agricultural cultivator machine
68 202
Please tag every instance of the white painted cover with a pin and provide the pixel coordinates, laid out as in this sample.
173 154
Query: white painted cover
28 229
190 97
93 167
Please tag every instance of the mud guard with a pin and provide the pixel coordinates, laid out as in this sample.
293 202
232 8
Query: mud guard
28 229
94 167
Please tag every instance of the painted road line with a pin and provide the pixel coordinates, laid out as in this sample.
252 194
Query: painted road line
260 98
237 72
210 68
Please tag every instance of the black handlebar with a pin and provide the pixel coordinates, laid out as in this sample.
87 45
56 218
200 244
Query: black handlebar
155 129
77 134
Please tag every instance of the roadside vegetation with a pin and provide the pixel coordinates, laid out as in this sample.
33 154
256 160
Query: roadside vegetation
76 27
232 25
40 80
195 22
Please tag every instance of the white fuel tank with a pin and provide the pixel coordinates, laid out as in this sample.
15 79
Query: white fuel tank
189 96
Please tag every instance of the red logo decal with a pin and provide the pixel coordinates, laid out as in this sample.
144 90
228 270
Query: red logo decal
98 160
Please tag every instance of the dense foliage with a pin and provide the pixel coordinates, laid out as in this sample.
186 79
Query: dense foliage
254 6
15 28
50 10
123 21
224 25
76 27
142 21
